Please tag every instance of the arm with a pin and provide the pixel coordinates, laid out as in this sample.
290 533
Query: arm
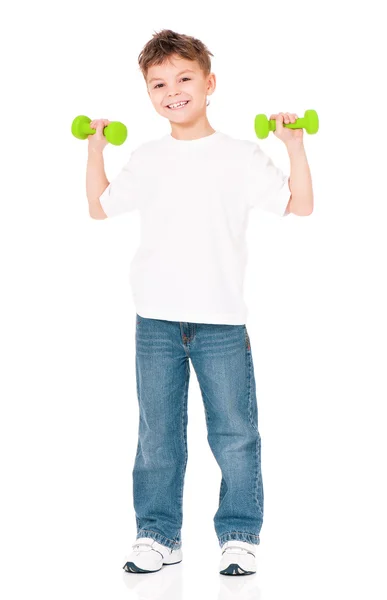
96 183
300 181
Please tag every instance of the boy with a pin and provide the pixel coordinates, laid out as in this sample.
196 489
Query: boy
194 188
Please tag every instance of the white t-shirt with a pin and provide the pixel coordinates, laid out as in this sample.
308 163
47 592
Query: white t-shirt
194 197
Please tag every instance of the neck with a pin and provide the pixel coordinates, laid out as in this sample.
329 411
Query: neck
191 130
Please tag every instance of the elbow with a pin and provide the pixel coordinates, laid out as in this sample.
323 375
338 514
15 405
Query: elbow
302 209
96 211
98 217
306 214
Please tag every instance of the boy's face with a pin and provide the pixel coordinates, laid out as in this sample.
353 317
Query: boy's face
167 84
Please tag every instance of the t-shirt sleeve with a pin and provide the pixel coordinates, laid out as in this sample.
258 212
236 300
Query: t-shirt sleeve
267 186
123 193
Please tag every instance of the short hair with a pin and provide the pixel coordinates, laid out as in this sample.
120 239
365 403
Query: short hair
167 43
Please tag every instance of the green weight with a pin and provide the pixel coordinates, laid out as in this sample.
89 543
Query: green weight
115 133
309 122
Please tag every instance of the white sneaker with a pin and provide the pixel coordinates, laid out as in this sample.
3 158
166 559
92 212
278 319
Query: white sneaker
149 556
238 558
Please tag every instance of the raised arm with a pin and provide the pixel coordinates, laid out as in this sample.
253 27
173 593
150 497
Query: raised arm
96 183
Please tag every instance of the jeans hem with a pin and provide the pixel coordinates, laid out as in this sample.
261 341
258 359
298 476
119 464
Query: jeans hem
160 538
242 536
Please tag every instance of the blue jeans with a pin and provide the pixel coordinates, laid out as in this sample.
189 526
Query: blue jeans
223 363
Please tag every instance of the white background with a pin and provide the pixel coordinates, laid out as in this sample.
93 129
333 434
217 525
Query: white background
315 288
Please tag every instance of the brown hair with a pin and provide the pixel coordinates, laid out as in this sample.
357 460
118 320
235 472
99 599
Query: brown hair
168 42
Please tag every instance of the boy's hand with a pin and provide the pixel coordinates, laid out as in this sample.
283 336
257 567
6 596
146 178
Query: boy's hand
287 136
97 140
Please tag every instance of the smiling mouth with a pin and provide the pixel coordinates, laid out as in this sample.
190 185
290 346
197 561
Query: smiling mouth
179 107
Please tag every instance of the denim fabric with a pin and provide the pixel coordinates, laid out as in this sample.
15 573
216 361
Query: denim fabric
222 359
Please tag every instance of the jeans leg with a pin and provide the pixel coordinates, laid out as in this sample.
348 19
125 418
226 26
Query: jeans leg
222 359
162 373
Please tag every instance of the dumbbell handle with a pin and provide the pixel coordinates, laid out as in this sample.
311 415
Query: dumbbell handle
298 124
87 130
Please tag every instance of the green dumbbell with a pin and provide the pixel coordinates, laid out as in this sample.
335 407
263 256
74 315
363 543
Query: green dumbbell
309 122
115 132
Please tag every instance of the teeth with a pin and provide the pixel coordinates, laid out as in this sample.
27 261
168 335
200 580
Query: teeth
177 105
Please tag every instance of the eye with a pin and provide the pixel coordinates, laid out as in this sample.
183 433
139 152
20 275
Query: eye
156 86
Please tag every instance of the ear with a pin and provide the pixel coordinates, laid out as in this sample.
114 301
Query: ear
211 80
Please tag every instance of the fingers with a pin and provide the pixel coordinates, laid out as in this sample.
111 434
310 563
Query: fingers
97 139
289 117
285 117
280 122
99 123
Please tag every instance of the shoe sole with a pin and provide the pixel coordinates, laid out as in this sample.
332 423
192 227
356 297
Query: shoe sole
130 567
235 569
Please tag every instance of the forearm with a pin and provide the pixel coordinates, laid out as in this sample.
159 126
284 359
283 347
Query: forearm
300 180
96 180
